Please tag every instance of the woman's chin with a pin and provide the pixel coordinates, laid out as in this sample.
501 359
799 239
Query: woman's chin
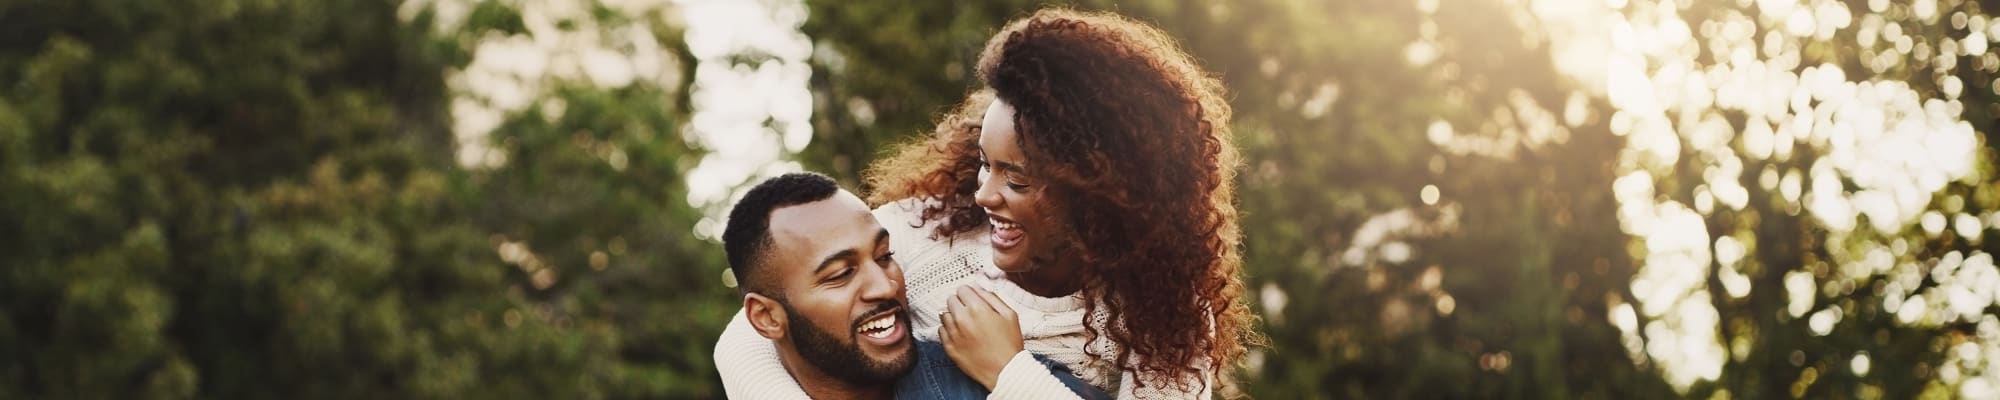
1012 262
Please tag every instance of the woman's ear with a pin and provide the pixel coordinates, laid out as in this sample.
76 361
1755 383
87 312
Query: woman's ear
765 315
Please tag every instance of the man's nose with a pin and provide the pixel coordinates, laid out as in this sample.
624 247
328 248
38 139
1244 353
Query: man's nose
879 285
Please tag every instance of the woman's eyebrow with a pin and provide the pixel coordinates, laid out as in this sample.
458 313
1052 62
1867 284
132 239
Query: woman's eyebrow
1011 167
1002 165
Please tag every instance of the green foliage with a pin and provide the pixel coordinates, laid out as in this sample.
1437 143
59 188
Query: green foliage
257 199
1776 351
597 193
246 199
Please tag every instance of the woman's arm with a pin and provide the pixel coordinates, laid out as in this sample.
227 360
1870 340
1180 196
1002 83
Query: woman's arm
980 333
982 336
1025 378
749 365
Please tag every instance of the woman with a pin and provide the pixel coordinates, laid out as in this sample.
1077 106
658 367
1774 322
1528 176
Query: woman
1106 176
1101 214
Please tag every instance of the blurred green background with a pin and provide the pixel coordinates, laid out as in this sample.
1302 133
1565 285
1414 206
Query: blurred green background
1443 198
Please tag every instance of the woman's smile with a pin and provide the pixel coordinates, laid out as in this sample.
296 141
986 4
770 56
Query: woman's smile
1006 234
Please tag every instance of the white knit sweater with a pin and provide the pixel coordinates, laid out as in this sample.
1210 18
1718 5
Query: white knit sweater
933 270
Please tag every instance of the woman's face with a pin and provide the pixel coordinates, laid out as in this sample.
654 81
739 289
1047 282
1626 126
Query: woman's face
1013 199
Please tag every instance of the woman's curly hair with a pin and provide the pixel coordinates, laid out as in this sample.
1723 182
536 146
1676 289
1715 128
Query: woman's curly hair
1131 139
943 167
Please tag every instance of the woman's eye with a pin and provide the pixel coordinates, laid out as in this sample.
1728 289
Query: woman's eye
1016 186
986 173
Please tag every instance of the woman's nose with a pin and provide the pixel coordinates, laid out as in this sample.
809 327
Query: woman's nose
986 195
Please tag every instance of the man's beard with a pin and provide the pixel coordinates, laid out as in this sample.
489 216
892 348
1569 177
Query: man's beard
847 363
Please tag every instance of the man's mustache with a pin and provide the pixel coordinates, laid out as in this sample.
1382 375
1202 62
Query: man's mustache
885 307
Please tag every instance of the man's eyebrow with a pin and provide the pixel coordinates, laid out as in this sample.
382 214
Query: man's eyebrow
880 235
829 260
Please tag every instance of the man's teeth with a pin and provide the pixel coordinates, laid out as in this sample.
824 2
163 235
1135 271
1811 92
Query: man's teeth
879 326
1004 225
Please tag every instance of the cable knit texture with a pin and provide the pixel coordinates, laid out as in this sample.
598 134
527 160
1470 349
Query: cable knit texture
933 270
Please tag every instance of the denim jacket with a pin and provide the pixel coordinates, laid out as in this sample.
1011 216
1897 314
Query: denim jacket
936 377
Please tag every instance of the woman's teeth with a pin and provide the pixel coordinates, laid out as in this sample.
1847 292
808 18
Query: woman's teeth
1006 235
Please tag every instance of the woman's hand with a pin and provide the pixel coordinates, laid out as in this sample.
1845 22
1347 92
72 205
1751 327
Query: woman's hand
980 333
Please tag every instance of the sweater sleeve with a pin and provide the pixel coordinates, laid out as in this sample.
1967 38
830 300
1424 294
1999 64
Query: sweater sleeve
1025 378
1128 386
749 365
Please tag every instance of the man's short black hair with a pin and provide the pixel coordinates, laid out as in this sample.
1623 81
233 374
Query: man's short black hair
748 235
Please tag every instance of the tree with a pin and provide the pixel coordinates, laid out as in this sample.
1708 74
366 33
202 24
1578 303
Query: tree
250 199
1824 150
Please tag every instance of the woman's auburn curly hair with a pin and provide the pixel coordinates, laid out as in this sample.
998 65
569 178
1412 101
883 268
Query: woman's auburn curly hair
943 167
1131 139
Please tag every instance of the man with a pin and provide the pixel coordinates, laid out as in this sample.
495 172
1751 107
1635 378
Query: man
818 279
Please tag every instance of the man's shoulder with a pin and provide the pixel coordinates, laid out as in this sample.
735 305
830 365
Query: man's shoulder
935 376
748 364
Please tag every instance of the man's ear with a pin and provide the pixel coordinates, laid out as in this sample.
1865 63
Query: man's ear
765 315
